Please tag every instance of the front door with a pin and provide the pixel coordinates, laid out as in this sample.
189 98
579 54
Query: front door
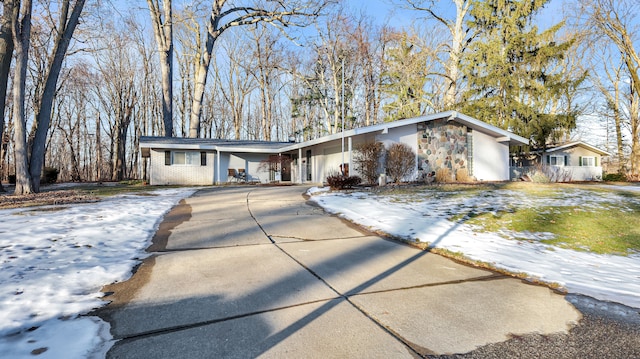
286 168
308 155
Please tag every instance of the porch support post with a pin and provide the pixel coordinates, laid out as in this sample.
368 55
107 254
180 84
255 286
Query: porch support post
218 166
299 165
350 149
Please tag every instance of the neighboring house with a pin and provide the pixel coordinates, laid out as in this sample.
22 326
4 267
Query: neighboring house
575 161
447 140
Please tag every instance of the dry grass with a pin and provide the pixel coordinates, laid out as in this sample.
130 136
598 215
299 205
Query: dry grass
45 199
443 175
462 175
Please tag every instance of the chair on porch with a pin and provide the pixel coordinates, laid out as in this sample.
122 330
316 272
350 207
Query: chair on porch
232 175
242 175
236 175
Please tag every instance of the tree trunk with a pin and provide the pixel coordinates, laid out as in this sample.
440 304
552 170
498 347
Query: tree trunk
6 53
634 122
21 41
98 152
163 32
202 70
66 27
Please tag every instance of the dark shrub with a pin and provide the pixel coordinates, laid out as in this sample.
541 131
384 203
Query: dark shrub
367 160
614 177
338 181
400 161
49 175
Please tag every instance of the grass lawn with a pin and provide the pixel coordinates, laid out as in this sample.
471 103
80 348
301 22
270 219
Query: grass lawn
581 216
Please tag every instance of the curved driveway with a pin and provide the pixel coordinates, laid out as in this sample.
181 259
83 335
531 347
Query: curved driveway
242 272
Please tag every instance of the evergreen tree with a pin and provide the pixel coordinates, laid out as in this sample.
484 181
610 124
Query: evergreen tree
404 79
514 71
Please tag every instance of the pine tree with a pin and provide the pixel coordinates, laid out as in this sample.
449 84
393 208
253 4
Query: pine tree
404 79
514 71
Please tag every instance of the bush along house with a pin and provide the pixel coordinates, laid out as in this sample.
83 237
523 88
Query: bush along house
452 145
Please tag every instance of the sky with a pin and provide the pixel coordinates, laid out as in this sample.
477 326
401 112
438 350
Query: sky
395 14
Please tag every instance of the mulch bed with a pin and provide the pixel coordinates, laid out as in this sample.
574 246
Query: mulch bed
45 199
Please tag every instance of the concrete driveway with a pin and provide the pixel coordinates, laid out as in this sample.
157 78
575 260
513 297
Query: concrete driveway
242 272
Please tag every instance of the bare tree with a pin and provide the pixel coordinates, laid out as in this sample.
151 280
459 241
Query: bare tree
266 74
227 14
188 47
163 30
369 49
68 18
6 53
117 93
21 30
616 20
234 82
30 159
461 37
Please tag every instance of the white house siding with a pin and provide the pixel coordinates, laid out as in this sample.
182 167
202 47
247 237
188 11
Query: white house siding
490 158
326 159
161 174
405 134
250 162
573 155
573 167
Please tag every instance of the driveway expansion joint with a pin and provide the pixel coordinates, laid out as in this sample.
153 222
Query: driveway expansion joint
392 333
178 328
437 284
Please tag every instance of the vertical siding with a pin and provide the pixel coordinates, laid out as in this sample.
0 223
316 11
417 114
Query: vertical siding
490 158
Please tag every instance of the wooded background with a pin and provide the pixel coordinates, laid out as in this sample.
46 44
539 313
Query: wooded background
83 80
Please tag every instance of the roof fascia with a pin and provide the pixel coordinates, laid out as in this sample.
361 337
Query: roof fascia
581 144
490 129
366 130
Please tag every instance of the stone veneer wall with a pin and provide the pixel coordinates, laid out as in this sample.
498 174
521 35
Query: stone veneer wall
444 145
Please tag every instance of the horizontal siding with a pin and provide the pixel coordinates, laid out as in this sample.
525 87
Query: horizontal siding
161 174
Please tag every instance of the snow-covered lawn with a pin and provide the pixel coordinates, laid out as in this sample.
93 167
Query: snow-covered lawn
425 216
54 262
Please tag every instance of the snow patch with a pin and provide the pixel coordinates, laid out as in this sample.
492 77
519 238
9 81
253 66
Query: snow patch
53 264
426 217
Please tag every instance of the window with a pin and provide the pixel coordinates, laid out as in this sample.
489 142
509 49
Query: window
186 158
557 160
203 158
588 161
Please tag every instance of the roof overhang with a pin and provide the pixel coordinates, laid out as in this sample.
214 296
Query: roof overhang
382 128
579 144
477 125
